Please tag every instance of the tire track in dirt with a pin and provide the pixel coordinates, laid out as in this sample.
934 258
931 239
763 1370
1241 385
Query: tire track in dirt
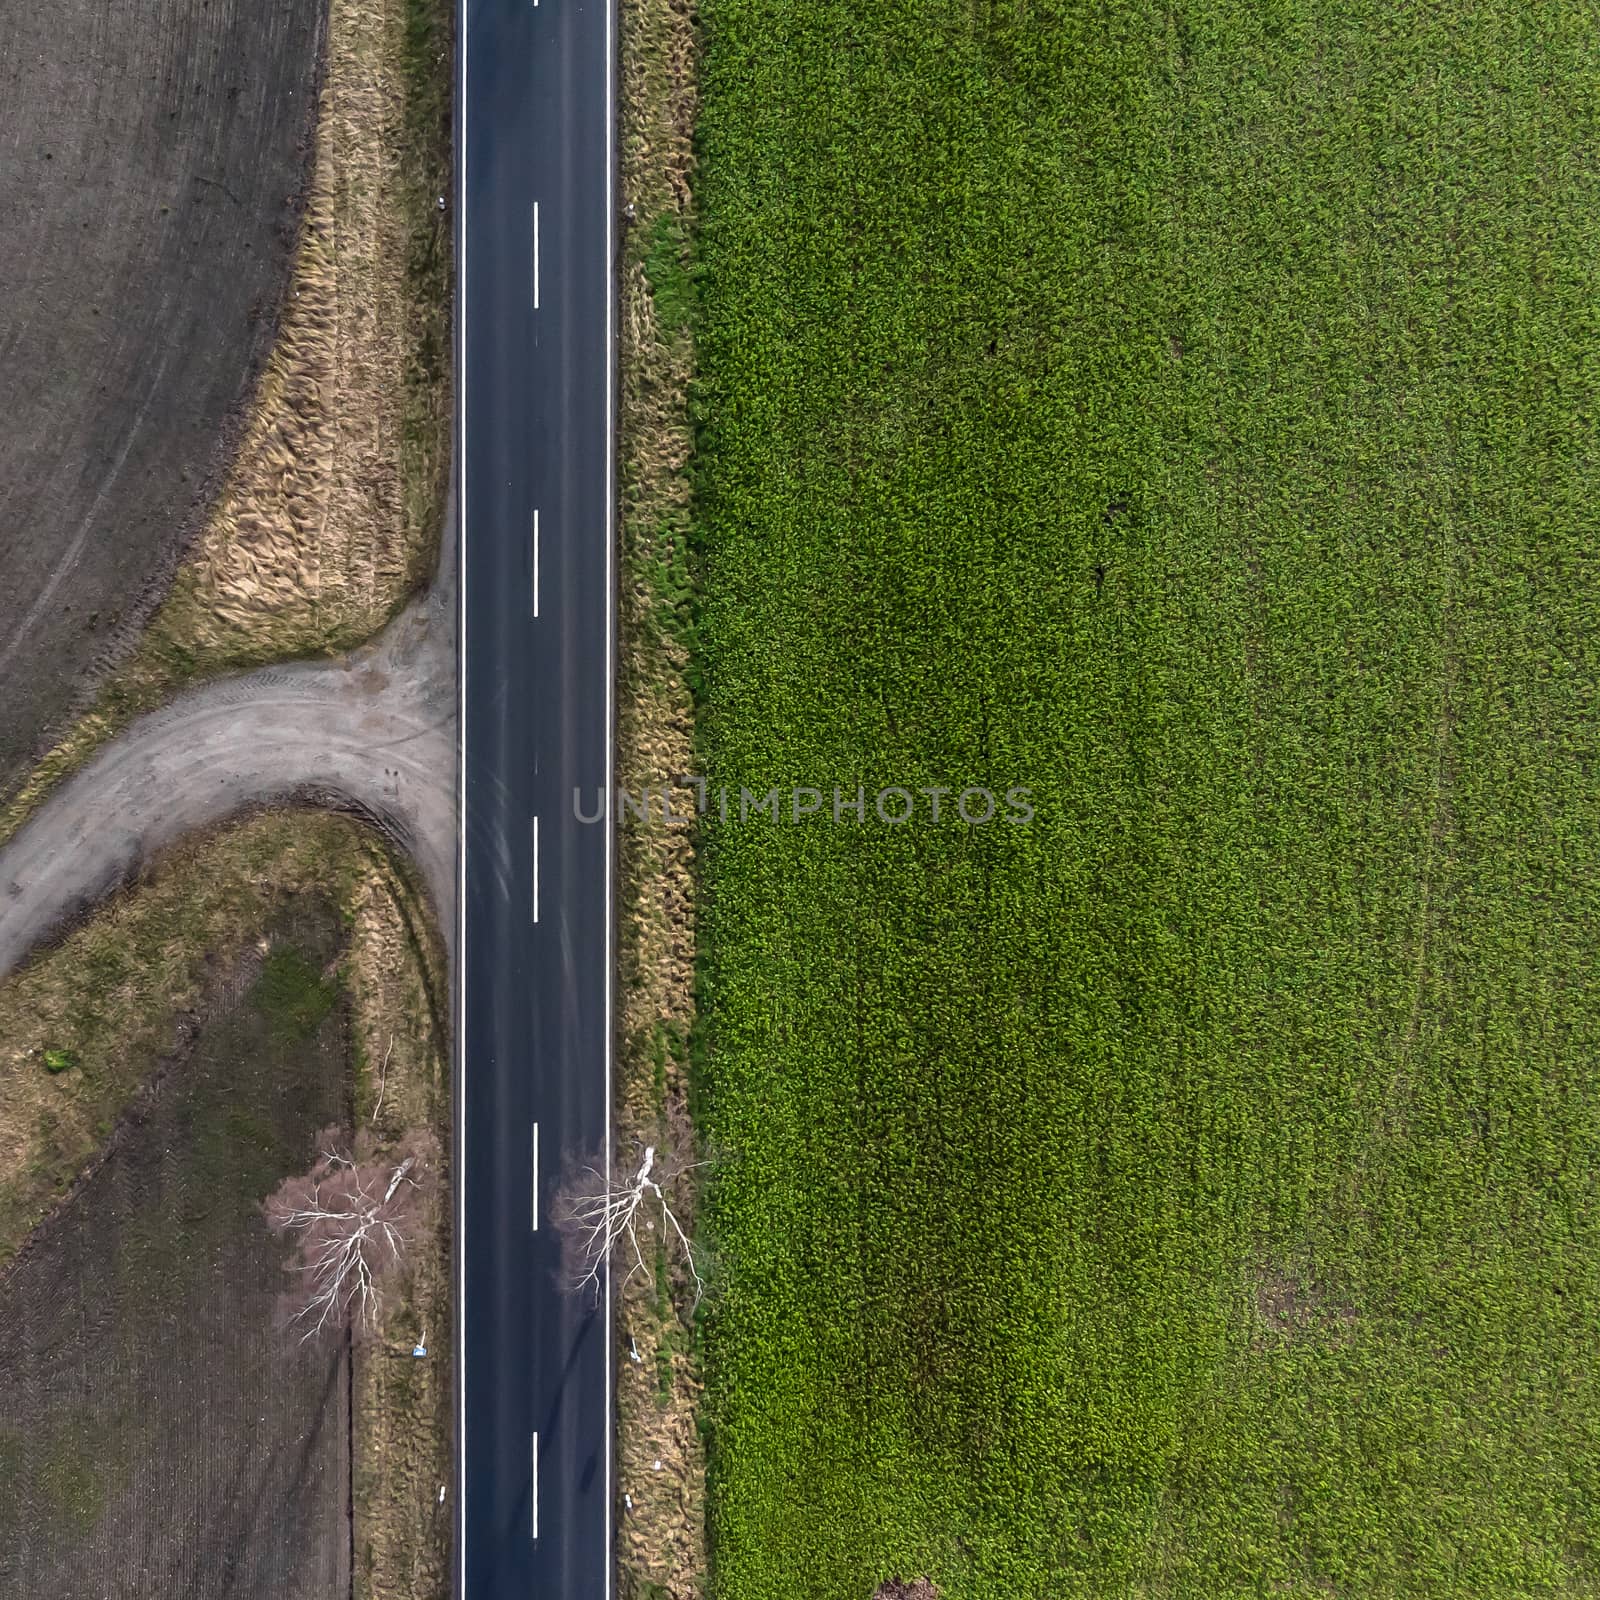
374 730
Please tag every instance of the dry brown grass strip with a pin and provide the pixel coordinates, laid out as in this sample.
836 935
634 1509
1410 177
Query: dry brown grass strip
661 1536
329 517
309 546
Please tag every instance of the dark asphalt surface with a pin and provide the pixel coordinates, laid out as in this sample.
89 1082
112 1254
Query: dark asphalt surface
535 413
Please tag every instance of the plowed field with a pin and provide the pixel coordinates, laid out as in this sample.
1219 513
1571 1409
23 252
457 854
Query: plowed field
160 1433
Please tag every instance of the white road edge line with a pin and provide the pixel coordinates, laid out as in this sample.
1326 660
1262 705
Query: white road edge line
536 1177
535 255
536 1490
535 869
459 131
536 563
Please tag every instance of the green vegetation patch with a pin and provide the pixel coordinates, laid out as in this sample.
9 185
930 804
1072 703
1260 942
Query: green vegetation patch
293 994
1188 413
97 1013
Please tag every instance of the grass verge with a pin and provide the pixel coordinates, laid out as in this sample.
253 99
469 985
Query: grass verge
661 1459
329 517
1187 413
404 1425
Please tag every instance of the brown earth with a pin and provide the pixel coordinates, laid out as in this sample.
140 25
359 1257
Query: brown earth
160 1432
104 1002
330 517
151 156
106 996
1293 1301
329 513
660 1452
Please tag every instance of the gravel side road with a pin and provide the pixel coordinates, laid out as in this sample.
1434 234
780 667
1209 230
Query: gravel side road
375 729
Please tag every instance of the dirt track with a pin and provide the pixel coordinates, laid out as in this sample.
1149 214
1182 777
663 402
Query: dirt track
151 153
375 729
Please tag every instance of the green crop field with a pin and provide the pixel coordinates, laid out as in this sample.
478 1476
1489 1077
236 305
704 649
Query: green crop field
1188 413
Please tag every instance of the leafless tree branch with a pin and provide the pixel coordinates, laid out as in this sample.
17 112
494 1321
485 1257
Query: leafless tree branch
383 1080
348 1218
601 1217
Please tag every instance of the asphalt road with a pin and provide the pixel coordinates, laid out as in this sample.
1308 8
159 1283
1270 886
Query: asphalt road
535 209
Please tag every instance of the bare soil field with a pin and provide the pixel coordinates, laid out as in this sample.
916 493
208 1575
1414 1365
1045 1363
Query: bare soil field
152 153
161 1433
661 1467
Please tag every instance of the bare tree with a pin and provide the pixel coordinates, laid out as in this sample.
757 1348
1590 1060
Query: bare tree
598 1215
348 1218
